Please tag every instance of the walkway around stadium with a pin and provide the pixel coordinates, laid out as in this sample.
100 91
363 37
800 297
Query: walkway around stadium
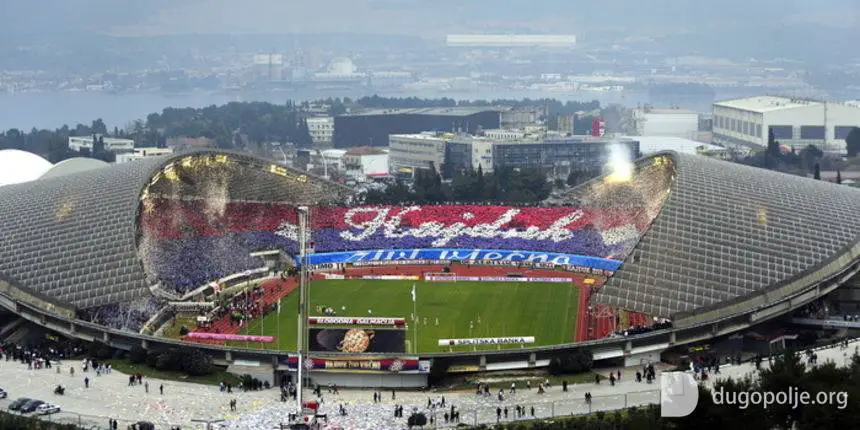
109 396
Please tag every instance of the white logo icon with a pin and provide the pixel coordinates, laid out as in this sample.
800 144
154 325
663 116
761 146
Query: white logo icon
679 394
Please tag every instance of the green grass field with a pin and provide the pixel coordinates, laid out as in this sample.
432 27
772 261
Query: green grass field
547 311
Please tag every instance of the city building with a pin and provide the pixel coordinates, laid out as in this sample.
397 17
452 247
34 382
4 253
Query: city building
410 152
575 153
112 144
138 153
372 127
365 162
516 118
321 130
794 122
269 67
649 121
448 153
333 158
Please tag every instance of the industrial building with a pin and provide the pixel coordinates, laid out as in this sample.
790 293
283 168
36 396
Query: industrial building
511 40
448 152
795 123
681 123
138 153
372 127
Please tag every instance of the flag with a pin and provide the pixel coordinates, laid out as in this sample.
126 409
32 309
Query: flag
413 293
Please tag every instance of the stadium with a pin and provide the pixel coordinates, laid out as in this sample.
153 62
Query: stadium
210 247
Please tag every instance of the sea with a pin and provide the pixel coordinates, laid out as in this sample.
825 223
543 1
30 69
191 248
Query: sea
25 110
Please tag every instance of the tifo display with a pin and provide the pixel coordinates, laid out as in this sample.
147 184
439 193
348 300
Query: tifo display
215 242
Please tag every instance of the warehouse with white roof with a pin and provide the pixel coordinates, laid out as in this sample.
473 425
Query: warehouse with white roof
795 122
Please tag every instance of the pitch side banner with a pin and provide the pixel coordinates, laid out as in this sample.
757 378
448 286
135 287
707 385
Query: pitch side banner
496 279
487 341
374 365
458 254
397 322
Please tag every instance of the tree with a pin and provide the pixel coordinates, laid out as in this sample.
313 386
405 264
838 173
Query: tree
98 127
772 144
838 177
852 142
817 172
98 147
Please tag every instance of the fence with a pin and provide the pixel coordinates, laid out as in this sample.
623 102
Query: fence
96 422
547 409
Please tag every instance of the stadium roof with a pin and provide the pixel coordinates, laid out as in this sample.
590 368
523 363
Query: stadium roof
18 166
652 144
729 231
74 237
74 165
722 231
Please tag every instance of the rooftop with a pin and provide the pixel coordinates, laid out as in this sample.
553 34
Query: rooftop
669 111
763 104
446 111
365 150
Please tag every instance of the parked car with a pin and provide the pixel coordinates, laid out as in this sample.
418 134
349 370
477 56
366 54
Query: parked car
3 394
16 405
30 406
47 408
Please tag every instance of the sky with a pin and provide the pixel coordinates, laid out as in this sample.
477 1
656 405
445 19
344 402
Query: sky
431 17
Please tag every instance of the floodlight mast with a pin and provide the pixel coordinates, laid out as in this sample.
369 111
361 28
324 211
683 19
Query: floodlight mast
301 338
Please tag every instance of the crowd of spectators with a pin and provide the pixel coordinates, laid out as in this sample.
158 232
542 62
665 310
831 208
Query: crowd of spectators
241 308
130 316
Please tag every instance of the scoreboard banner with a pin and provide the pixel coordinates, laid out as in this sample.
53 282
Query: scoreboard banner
381 321
488 341
357 340
360 365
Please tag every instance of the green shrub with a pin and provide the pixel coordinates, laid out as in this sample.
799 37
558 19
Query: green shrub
576 361
152 358
137 355
195 362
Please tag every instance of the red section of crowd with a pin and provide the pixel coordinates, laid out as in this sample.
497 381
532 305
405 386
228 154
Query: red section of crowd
170 219
177 218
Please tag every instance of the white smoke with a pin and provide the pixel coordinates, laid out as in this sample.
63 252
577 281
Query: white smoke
620 163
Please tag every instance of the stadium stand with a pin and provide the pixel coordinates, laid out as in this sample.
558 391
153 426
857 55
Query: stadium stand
692 232
729 230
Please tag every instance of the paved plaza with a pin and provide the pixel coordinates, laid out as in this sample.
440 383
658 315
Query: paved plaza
109 396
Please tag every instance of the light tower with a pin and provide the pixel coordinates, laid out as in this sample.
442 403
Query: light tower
301 338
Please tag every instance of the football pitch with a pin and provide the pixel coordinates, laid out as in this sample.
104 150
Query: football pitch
547 311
